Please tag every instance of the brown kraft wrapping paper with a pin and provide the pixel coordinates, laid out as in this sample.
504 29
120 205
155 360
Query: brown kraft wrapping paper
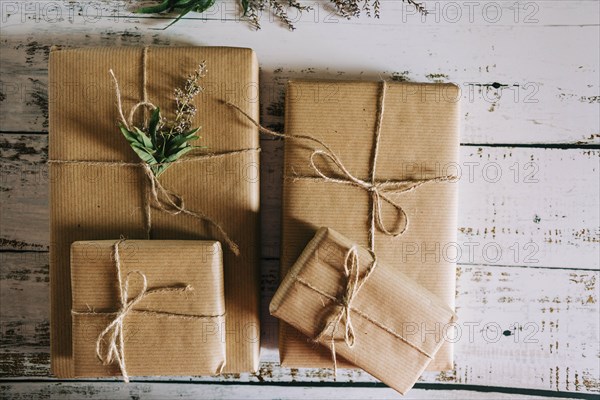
419 139
156 343
94 202
398 325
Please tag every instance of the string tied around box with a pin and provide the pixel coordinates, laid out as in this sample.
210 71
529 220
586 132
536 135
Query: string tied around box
380 192
110 344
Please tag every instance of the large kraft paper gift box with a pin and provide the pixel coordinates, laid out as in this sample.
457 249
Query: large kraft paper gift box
177 326
419 140
94 201
395 326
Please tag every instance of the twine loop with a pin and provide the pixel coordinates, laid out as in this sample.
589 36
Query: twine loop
379 191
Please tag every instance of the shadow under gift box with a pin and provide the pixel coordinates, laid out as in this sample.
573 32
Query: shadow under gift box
160 336
101 201
419 139
398 325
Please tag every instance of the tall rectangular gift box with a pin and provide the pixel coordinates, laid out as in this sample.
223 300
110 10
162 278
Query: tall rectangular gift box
343 186
94 198
174 326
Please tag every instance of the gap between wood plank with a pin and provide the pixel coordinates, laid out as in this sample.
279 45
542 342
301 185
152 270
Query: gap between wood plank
541 145
425 386
275 259
566 146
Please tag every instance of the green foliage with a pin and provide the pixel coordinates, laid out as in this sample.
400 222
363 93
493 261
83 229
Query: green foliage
182 7
156 146
161 141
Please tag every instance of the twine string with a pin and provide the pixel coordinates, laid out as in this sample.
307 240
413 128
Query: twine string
173 204
128 123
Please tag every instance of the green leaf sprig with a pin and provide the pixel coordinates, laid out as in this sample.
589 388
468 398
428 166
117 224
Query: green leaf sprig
181 6
162 141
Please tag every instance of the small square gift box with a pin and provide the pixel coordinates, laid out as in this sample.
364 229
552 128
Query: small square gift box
143 307
341 296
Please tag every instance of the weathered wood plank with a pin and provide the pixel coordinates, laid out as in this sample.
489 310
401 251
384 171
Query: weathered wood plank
24 184
519 327
534 100
519 206
161 391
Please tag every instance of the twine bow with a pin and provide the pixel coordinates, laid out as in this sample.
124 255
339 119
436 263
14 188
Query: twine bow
115 349
114 334
354 283
379 191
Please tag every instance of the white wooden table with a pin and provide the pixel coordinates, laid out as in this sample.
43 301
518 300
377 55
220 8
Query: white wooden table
527 286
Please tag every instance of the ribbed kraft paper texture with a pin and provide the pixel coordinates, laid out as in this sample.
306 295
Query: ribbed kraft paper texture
154 344
388 297
419 140
104 202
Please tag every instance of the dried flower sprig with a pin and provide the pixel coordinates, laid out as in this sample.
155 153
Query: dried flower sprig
162 141
252 9
354 8
278 8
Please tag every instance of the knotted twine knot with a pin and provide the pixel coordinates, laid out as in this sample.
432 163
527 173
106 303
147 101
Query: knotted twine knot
114 333
380 192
